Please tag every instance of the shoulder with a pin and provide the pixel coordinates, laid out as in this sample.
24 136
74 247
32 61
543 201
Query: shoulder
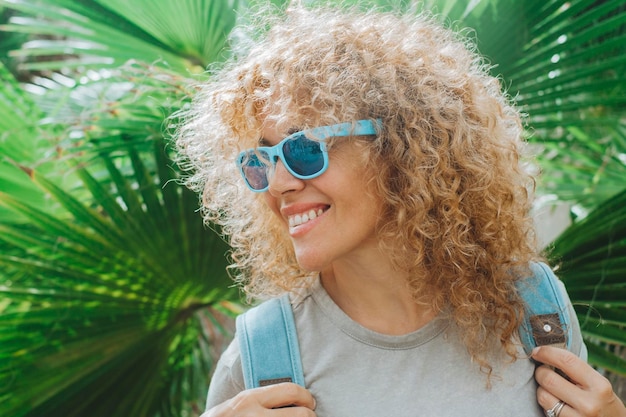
544 290
227 380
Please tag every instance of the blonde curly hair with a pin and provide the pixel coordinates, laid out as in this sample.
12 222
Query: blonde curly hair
455 197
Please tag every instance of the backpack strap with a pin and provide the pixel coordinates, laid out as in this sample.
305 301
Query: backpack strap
270 353
268 341
546 320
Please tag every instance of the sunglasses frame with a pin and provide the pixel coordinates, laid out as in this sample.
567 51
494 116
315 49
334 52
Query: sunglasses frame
320 134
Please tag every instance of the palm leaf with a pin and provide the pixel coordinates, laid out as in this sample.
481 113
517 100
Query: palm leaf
104 307
565 68
181 34
592 258
22 141
194 28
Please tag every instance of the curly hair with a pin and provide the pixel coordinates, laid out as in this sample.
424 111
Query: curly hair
456 198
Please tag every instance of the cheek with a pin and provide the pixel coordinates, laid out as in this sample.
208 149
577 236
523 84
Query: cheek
370 195
271 203
356 161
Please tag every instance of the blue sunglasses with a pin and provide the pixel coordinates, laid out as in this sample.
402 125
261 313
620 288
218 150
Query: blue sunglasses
304 158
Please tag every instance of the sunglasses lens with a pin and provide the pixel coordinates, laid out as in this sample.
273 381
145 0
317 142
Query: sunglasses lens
254 167
304 156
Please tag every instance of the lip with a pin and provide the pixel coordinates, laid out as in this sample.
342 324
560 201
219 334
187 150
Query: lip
301 208
298 209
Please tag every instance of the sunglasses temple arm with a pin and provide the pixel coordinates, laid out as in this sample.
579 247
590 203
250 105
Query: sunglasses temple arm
360 127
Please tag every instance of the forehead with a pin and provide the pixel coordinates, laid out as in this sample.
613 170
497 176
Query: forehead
270 135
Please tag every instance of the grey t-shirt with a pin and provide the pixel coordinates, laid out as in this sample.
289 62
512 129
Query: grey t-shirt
353 371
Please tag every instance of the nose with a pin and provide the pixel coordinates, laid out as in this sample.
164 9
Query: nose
281 181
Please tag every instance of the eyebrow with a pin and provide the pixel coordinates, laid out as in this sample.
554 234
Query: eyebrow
263 142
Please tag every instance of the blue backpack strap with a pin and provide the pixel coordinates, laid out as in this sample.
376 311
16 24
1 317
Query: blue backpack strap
547 320
268 341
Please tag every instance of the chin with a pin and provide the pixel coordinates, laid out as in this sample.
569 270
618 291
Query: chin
310 262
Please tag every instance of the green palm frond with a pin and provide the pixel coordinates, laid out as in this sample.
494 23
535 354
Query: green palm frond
104 115
185 35
193 28
22 141
565 66
592 258
18 114
118 286
125 300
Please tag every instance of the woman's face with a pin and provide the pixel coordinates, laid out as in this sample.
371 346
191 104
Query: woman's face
331 218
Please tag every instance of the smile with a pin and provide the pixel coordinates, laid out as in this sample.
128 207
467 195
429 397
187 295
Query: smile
302 218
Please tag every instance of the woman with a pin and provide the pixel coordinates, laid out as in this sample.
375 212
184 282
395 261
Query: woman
402 249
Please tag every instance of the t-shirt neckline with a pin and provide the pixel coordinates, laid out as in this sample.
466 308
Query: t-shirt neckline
364 335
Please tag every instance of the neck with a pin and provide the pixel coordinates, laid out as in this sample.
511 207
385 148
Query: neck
376 297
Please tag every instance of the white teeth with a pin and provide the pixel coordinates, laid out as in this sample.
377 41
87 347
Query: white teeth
299 219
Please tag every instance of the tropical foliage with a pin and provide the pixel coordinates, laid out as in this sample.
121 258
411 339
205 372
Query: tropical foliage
592 255
114 297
